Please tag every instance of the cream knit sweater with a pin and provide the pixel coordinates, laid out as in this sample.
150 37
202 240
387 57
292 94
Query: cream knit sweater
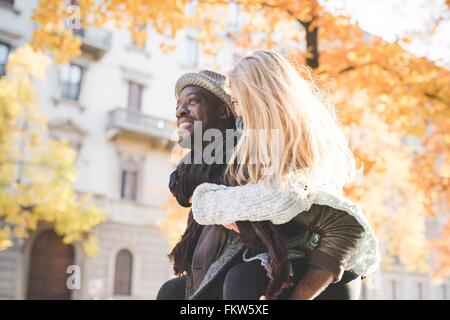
218 204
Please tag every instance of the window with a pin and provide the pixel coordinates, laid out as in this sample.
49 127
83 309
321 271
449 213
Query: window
420 290
123 273
79 32
70 77
191 52
134 95
10 2
129 181
363 291
394 289
4 53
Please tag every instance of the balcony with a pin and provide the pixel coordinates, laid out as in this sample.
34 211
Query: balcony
132 124
94 41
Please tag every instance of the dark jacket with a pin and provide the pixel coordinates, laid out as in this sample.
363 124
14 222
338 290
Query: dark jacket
216 246
328 237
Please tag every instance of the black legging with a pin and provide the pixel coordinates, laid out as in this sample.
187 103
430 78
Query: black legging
248 281
173 289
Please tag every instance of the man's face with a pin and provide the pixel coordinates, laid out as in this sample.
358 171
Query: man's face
196 104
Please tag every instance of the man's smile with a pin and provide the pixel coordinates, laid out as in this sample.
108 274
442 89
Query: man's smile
184 123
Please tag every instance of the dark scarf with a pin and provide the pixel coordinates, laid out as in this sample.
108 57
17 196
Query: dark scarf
257 236
182 184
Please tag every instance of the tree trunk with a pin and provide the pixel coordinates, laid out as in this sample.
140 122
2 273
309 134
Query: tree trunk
312 44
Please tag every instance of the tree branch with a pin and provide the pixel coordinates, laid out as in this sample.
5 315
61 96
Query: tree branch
437 98
312 43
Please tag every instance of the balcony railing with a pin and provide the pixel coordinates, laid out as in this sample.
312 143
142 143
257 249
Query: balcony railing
94 41
134 123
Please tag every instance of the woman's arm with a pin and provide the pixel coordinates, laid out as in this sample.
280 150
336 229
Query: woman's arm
218 204
340 234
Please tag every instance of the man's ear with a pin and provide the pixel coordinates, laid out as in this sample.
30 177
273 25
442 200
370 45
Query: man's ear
224 112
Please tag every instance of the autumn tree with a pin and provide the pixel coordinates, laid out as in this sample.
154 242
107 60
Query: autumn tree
58 18
36 172
394 105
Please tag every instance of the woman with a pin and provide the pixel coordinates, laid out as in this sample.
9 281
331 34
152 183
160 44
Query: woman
289 168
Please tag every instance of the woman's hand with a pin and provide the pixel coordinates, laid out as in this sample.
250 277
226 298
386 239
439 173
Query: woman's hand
232 226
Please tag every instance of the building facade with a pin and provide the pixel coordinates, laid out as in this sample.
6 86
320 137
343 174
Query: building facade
115 105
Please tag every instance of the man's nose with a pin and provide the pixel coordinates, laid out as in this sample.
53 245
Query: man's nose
182 110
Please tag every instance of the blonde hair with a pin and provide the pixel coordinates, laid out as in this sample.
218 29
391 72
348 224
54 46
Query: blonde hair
288 126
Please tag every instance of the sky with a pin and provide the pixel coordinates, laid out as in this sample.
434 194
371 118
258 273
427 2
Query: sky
395 18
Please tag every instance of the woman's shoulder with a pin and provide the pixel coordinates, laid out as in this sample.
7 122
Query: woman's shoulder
323 208
324 215
316 212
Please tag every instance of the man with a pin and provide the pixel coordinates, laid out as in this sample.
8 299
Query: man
208 259
202 101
